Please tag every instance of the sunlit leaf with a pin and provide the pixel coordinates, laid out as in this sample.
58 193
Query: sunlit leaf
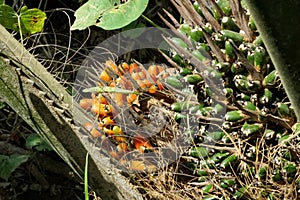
32 20
89 12
122 15
108 14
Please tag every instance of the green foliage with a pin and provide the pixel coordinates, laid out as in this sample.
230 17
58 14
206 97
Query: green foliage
29 21
8 164
108 14
35 141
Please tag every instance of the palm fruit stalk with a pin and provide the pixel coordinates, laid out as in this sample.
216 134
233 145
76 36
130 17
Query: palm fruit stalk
225 43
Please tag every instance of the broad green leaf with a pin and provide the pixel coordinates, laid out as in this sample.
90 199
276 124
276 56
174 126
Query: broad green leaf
88 14
8 17
8 164
35 141
108 14
32 20
122 15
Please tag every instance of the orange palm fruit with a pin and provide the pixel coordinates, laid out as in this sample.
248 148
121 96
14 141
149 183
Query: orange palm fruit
135 76
159 85
105 76
123 68
106 121
152 89
141 84
125 83
142 74
154 71
121 138
101 109
86 103
119 98
148 83
140 143
131 98
133 67
111 65
122 147
108 131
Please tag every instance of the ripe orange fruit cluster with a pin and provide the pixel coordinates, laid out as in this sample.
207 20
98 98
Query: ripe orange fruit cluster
126 76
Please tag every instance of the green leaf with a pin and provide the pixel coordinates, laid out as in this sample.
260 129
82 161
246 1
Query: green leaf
32 20
108 14
88 13
8 18
2 2
8 164
122 15
35 141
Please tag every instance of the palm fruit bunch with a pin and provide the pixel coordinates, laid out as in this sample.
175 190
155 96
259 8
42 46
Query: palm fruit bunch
246 145
120 102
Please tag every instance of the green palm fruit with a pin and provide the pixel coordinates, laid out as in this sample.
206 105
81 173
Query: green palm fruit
271 79
196 35
269 134
201 55
205 111
237 68
225 7
185 71
181 106
262 172
214 136
235 115
229 24
283 109
258 41
174 81
228 92
245 85
225 183
193 79
185 29
208 188
251 24
230 160
277 176
250 129
290 170
267 97
260 58
229 51
198 152
236 37
240 193
218 157
248 105
202 172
